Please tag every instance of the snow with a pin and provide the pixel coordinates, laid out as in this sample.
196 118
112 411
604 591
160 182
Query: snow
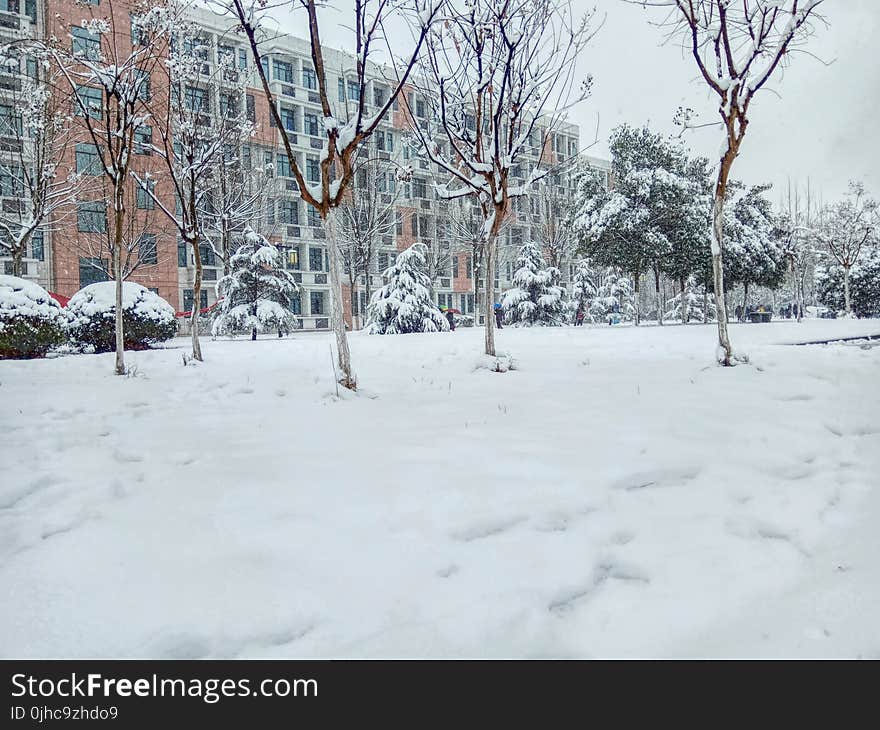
20 297
101 297
588 503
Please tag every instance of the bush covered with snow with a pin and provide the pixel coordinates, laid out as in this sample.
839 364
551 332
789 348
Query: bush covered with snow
864 285
535 299
146 317
404 305
31 322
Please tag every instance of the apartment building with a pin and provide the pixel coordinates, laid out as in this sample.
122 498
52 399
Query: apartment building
63 263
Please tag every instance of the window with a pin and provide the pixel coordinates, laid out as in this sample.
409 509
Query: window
188 296
398 223
284 165
206 254
147 251
421 109
144 197
414 224
316 259
270 212
293 258
310 80
296 304
89 99
310 124
288 119
268 161
289 212
283 71
196 99
87 160
38 251
312 217
242 59
181 254
10 122
143 140
313 170
341 89
91 217
228 105
384 141
142 79
380 95
85 43
251 109
138 35
316 302
11 177
92 270
420 188
354 91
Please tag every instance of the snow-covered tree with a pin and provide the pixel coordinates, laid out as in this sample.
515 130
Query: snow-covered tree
615 296
536 299
689 304
496 81
38 123
848 227
192 148
257 292
864 284
583 287
110 87
347 125
737 47
404 304
798 225
655 201
366 217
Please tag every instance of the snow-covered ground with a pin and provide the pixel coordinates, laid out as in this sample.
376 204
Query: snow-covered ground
617 495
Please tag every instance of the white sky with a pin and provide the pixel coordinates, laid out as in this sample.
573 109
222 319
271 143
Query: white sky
813 121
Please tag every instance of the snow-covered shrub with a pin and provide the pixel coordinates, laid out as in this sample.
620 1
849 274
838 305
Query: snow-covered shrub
146 317
864 285
404 304
694 304
583 290
615 297
31 322
535 300
258 291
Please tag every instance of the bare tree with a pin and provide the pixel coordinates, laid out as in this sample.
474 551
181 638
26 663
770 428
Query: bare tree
366 217
346 127
109 79
192 144
557 240
846 228
799 223
35 120
737 47
498 79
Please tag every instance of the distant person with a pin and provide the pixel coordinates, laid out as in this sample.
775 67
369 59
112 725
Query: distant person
450 317
579 318
499 317
794 310
738 312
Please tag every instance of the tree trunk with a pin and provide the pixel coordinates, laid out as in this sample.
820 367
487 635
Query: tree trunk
197 298
489 263
637 308
745 296
799 297
118 222
725 355
659 298
18 254
846 293
685 305
346 377
253 334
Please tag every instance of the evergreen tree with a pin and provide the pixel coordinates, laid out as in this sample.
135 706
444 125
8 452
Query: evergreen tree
404 304
583 288
615 297
689 305
536 299
864 283
257 292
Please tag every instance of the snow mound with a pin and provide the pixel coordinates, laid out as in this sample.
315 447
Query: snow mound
19 297
100 298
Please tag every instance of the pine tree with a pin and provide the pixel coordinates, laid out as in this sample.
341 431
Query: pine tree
615 297
535 299
257 292
583 288
694 300
404 304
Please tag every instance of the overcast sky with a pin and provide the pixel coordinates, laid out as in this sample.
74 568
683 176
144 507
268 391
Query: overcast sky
814 121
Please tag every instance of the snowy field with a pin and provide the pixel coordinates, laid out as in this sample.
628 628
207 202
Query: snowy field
617 495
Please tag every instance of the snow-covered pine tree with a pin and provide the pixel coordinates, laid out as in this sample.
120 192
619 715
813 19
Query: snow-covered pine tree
404 304
535 300
615 296
583 288
257 292
693 297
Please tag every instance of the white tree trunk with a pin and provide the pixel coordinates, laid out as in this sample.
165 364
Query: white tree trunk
489 274
718 281
120 337
846 292
346 377
197 296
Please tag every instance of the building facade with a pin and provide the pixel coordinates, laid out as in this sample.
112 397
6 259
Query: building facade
67 255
